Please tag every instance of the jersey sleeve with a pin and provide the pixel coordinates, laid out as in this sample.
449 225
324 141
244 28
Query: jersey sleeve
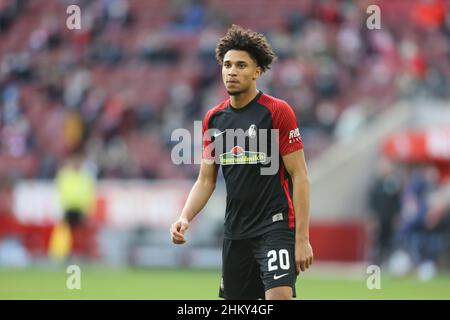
289 133
208 152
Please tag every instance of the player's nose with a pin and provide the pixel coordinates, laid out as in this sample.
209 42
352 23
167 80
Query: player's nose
232 71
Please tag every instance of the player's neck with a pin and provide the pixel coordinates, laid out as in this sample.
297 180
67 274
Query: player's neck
241 100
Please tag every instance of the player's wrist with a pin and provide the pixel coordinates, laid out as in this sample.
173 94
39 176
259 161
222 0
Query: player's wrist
185 218
302 238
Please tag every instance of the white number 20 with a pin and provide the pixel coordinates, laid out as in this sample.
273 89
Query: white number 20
283 258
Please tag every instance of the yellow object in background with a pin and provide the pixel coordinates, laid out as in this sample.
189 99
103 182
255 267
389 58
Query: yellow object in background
60 243
73 129
76 189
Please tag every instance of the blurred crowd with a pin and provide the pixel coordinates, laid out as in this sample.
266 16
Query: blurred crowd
136 70
410 207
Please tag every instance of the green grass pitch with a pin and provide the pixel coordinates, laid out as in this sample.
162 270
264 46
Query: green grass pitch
188 284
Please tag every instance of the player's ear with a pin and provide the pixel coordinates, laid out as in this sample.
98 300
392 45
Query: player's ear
258 72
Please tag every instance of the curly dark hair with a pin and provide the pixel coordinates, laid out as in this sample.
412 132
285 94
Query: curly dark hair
256 44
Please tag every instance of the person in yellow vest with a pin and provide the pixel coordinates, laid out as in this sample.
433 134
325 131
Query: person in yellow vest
76 190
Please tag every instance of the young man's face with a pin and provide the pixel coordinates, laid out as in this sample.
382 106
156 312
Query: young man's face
239 71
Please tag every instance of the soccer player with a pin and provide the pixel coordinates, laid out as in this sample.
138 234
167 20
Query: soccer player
266 239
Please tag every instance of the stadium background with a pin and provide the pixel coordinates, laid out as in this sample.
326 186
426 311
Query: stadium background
366 100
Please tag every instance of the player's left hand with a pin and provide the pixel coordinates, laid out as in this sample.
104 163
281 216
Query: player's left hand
303 255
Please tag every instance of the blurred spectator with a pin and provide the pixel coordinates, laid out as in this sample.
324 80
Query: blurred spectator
117 11
385 204
191 18
47 36
157 49
76 188
76 88
106 51
437 231
421 182
423 230
438 215
9 9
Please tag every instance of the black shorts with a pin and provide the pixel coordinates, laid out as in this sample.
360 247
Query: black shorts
252 266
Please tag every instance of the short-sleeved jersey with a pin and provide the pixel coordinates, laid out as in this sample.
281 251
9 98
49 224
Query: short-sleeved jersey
256 203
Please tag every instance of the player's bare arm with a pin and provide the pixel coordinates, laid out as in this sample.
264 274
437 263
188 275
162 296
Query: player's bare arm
296 166
197 199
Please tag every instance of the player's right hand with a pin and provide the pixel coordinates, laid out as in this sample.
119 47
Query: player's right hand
177 230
